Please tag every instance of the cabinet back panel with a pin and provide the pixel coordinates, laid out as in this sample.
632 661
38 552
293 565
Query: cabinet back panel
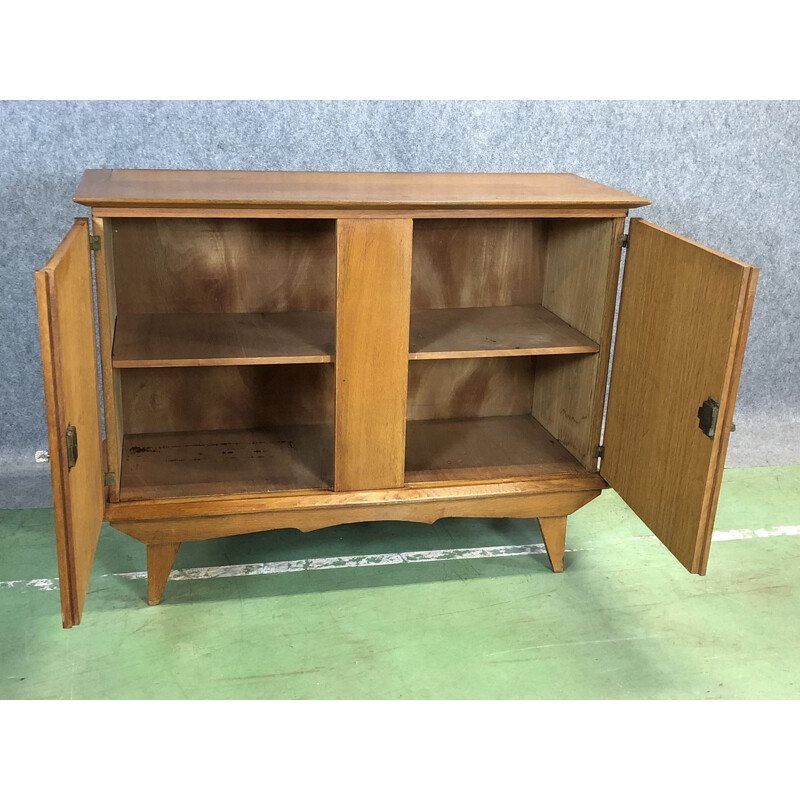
161 400
224 265
469 387
473 263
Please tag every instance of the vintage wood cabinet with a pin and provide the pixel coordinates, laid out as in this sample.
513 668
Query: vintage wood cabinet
299 350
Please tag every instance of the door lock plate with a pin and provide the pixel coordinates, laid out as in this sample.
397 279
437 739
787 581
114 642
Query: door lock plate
708 414
72 446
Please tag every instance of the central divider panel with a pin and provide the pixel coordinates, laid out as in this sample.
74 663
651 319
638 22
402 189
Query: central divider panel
372 328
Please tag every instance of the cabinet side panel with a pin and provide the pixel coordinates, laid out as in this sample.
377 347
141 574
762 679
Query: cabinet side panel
581 256
580 286
372 338
475 263
107 318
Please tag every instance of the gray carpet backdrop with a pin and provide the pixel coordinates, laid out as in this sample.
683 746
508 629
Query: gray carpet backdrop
726 174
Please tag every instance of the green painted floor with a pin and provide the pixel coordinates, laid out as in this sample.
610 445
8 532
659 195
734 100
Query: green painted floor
623 621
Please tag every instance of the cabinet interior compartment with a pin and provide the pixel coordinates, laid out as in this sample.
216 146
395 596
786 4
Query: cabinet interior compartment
222 357
194 292
226 430
510 333
470 419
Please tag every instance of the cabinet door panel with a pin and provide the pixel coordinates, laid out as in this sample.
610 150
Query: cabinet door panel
372 322
683 321
67 331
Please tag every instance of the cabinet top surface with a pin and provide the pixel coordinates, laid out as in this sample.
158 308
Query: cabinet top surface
362 190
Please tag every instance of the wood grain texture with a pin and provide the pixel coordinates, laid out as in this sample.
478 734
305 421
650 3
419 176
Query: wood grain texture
680 340
725 423
476 263
580 286
483 448
343 212
194 463
106 323
493 332
372 319
365 190
576 272
199 528
160 558
210 266
554 536
321 500
469 387
66 328
187 340
163 400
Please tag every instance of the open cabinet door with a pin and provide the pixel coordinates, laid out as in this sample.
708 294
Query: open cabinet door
66 328
683 320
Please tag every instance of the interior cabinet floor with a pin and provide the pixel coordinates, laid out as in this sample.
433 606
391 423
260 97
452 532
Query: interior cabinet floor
193 463
483 448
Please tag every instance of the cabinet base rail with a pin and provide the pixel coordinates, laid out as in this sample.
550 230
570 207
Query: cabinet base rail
163 537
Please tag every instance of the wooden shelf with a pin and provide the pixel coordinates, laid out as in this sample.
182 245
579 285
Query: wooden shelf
483 448
493 331
197 463
191 340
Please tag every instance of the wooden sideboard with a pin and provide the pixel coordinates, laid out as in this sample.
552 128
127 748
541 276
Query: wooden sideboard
300 350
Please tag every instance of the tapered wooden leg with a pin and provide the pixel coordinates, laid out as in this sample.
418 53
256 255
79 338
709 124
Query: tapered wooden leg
554 533
160 558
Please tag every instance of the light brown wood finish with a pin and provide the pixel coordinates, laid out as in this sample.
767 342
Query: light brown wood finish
332 213
106 323
580 286
554 535
279 458
161 400
160 558
66 328
217 444
492 332
469 387
372 318
197 266
578 258
185 340
680 338
509 504
725 422
320 500
338 190
476 263
483 448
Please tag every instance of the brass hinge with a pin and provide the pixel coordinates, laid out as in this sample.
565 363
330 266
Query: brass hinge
600 451
623 240
71 437
110 479
94 243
